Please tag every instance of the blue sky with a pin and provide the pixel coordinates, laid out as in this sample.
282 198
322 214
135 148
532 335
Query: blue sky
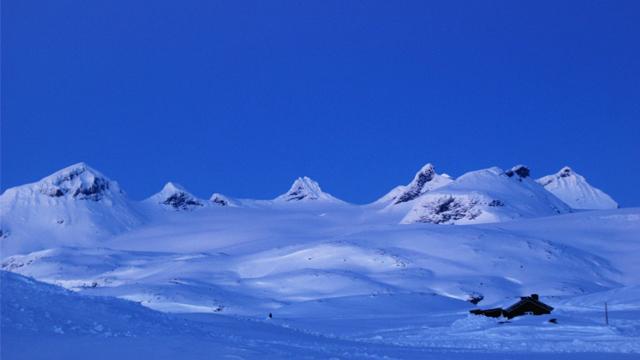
241 97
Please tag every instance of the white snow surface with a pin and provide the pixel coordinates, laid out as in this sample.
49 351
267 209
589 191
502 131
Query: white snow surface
340 280
573 189
41 321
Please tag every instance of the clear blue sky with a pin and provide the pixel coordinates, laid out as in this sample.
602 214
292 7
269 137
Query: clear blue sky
241 97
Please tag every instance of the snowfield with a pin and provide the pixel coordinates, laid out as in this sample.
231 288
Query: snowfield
85 271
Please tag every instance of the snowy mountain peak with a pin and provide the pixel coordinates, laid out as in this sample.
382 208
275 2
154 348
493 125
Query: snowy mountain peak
305 189
573 189
222 200
172 187
488 195
175 196
69 207
565 172
426 179
78 181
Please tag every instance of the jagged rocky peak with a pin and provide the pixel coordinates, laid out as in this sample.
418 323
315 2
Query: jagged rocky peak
425 180
175 196
519 170
78 181
574 190
304 189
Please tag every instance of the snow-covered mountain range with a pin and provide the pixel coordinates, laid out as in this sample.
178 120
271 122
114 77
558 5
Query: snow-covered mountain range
322 265
78 202
485 196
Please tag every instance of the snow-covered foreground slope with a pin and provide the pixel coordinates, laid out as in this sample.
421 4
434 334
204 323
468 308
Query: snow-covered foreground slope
40 321
573 189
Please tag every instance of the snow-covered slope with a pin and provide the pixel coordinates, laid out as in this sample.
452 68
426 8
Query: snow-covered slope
262 262
41 321
175 197
426 179
483 196
72 206
573 189
305 189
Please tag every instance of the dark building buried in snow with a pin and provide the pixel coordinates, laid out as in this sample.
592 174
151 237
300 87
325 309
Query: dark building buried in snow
527 305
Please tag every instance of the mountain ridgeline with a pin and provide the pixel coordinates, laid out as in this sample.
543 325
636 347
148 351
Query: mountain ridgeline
81 201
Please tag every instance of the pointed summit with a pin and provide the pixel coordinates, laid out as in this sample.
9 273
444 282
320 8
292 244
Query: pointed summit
426 179
175 196
78 181
305 189
573 189
565 172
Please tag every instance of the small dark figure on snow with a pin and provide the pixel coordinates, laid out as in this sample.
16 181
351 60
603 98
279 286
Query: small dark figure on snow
270 316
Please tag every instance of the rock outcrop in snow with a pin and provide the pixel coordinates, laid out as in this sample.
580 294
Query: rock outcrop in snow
484 196
222 200
424 181
520 171
573 189
176 197
305 189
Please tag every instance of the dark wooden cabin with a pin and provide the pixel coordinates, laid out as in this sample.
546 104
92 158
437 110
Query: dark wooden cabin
527 305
